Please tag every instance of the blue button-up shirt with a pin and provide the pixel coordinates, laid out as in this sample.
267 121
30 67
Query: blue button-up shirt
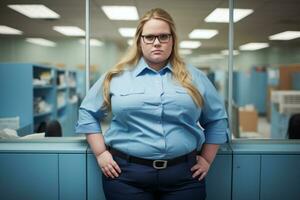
153 116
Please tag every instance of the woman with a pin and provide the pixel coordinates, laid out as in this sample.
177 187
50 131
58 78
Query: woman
167 119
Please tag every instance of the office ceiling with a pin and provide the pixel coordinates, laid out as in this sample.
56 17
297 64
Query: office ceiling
269 17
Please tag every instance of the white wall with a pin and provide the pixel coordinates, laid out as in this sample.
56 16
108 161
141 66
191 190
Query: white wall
273 56
68 51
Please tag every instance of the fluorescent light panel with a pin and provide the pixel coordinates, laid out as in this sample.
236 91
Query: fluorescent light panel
127 32
6 30
203 34
121 12
189 44
93 42
41 41
253 46
34 11
69 30
286 35
221 15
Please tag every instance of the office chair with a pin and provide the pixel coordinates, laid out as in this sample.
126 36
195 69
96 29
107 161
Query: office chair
41 128
294 127
53 129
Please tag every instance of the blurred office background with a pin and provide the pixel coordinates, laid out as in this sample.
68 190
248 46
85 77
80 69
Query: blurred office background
42 59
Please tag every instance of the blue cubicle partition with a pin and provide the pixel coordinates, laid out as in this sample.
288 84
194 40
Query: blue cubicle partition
14 94
279 123
250 88
296 81
45 169
65 168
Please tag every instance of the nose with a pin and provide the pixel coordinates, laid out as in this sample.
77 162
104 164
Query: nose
156 41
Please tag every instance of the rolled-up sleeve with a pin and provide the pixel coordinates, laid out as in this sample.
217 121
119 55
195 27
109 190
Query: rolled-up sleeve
90 112
213 116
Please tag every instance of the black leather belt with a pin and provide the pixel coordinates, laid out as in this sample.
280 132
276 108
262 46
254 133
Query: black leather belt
157 164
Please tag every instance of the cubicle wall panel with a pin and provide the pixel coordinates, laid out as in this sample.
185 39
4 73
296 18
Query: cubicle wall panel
246 177
29 176
280 175
16 92
72 176
218 180
94 179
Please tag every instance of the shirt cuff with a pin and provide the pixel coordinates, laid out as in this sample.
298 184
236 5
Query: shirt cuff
88 128
216 137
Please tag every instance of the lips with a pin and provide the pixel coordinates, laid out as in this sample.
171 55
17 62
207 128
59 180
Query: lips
156 51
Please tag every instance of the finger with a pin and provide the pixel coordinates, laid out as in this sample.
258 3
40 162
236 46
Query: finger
197 173
113 171
103 171
202 176
108 172
116 166
195 167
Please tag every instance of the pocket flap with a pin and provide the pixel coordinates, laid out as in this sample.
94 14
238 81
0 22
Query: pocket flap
181 90
132 91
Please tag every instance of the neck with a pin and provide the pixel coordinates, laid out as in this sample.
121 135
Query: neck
156 66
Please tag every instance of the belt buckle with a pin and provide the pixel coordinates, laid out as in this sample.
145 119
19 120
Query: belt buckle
163 164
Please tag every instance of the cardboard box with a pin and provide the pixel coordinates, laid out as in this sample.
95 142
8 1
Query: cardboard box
248 120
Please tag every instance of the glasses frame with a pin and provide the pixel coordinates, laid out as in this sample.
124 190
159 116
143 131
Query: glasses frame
156 36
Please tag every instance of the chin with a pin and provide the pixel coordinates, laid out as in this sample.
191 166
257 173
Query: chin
158 59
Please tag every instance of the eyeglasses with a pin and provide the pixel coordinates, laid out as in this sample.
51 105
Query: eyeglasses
162 38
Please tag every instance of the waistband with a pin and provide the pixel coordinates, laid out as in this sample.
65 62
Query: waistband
157 164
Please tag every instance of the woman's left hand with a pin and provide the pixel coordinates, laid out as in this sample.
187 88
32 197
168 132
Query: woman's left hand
201 168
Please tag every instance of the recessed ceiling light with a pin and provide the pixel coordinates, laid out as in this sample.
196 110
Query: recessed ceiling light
203 34
185 51
253 46
93 42
286 35
221 15
41 41
189 44
69 30
127 32
121 12
6 30
226 52
34 11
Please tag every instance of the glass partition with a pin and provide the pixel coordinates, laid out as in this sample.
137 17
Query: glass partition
42 67
266 69
42 60
202 43
106 45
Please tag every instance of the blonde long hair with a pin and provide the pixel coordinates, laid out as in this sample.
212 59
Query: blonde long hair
134 54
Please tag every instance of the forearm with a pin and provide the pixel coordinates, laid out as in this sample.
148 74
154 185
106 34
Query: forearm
96 142
209 151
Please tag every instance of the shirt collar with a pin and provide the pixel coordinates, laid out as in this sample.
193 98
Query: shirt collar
142 65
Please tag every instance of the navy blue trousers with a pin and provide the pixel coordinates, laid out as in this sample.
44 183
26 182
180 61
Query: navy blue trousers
141 182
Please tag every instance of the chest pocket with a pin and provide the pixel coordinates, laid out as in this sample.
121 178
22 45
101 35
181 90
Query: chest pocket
183 99
130 99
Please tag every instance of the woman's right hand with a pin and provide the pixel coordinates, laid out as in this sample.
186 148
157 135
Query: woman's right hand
107 164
